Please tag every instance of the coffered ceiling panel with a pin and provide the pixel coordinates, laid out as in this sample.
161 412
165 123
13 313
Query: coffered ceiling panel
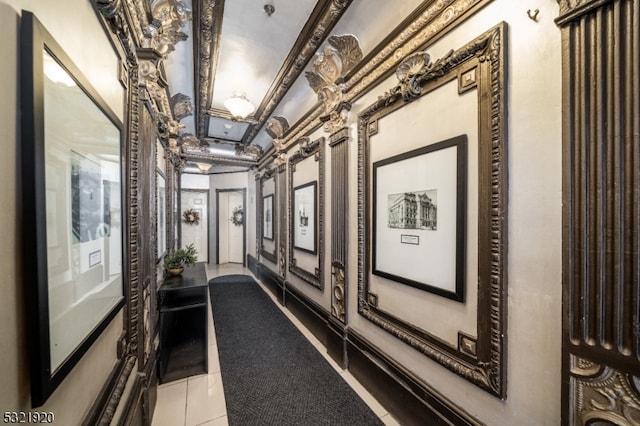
261 48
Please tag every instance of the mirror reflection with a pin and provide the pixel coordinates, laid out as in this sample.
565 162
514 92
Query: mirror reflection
83 200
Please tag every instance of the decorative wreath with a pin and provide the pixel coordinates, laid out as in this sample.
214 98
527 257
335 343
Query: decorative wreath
237 216
191 217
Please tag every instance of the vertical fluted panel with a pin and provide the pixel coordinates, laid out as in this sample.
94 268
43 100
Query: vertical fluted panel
338 205
601 181
339 208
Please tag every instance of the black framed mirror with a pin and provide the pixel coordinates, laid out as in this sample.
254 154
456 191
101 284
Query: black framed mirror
72 209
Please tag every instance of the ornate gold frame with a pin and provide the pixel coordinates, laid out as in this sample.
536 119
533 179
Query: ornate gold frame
481 359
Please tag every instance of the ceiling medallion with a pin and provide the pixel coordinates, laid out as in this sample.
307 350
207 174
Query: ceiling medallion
238 105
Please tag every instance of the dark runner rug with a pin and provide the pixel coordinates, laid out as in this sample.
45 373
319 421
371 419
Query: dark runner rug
271 374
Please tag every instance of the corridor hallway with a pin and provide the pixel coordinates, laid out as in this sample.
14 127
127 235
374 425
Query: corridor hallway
199 400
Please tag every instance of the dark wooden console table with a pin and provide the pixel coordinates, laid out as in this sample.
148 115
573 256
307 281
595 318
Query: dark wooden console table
182 304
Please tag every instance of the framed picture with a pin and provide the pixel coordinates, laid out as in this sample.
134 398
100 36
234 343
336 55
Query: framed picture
415 226
419 205
73 235
305 217
267 217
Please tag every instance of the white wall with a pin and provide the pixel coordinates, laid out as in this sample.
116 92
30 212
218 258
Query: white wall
92 53
191 181
534 225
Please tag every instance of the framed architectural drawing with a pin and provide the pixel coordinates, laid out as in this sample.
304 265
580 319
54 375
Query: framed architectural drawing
73 233
419 204
305 213
432 209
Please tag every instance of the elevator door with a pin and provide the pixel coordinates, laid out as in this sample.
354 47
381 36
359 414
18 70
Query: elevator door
230 235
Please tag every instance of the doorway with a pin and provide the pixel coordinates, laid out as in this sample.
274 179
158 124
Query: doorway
195 221
231 226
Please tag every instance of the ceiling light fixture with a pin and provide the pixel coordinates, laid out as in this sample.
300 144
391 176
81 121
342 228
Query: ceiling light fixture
238 105
204 167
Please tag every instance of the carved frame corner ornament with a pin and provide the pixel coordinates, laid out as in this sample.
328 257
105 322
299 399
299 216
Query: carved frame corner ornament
417 77
570 10
338 302
181 106
253 151
277 126
308 148
603 394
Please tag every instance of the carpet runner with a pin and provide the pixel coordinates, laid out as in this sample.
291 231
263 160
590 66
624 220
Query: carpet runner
272 374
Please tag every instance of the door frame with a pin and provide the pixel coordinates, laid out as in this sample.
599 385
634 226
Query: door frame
244 222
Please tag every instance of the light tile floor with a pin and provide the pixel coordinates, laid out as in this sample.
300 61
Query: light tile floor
199 400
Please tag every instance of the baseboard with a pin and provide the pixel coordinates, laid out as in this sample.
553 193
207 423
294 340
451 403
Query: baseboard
134 413
252 264
116 394
336 342
409 400
150 391
309 313
272 280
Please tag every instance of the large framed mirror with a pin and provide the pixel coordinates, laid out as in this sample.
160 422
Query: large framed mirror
72 209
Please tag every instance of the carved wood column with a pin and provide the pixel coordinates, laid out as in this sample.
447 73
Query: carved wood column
282 198
339 143
601 213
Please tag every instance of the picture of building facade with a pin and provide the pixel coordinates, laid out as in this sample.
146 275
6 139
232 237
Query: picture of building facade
413 210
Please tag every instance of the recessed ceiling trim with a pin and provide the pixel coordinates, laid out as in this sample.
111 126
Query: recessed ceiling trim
207 24
220 113
217 159
429 25
322 20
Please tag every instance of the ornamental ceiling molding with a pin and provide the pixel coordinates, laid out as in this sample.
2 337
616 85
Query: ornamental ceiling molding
322 21
330 66
116 18
277 126
424 28
253 151
205 157
207 26
313 34
432 22
164 31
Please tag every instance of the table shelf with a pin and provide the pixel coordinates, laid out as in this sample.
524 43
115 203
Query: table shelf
182 304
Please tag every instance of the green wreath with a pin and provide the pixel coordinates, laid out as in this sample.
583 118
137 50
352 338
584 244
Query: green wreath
237 216
191 217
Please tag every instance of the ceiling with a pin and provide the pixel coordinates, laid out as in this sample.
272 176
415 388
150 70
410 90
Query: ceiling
261 48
